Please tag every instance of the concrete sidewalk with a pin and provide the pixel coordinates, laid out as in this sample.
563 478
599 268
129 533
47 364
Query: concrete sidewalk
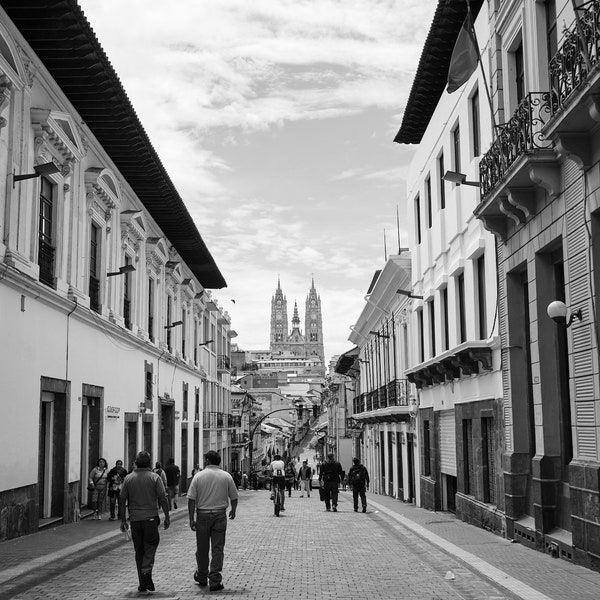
524 572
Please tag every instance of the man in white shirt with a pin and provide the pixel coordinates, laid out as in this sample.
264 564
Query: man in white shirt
277 468
209 495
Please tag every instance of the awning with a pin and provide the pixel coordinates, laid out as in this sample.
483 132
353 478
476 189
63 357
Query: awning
346 361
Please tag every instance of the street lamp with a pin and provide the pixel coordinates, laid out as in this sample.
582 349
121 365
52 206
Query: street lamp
46 169
459 179
122 270
558 310
174 324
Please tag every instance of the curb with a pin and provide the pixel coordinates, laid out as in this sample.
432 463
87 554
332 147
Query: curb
515 586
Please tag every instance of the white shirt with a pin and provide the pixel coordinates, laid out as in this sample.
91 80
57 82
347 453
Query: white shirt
212 488
278 468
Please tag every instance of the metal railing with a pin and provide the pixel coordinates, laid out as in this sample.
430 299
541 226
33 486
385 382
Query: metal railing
520 135
223 362
94 291
46 263
213 420
577 57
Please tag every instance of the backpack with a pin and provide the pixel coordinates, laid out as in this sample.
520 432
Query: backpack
358 476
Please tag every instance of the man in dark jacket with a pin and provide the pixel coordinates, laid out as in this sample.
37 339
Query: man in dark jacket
115 479
304 477
330 478
358 478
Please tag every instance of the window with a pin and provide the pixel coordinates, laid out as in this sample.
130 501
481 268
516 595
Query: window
456 148
169 321
426 448
127 296
428 200
445 328
552 34
46 250
421 336
197 404
431 310
183 329
481 306
185 400
442 172
149 386
418 219
151 309
94 283
460 302
519 73
476 123
469 467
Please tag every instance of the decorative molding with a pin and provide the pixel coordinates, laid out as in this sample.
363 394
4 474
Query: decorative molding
575 146
547 176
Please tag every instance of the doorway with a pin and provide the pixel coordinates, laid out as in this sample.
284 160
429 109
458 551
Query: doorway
167 431
410 460
90 440
400 471
184 458
52 454
131 430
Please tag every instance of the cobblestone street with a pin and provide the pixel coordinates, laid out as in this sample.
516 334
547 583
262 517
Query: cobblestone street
307 553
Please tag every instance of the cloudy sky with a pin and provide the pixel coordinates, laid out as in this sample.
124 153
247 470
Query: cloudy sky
275 120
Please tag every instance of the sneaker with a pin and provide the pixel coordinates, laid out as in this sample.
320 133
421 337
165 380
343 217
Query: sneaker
282 509
216 588
141 588
364 509
356 510
147 581
301 495
200 582
175 504
112 519
335 509
328 509
272 497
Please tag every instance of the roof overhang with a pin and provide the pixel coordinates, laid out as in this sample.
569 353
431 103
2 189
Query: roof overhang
432 72
64 41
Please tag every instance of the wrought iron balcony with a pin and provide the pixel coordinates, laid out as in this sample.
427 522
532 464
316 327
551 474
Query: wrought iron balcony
223 362
94 291
520 136
398 392
577 57
46 262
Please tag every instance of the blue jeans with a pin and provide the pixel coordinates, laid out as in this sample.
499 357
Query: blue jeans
145 538
359 491
210 536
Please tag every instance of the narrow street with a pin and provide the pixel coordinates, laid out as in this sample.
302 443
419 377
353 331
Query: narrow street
307 553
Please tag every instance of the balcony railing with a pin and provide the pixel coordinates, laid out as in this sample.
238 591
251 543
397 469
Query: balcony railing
213 420
46 263
569 68
519 136
239 438
223 362
398 392
94 290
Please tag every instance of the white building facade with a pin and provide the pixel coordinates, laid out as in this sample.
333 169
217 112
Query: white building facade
103 281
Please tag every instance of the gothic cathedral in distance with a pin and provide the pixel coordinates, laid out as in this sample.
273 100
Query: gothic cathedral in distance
284 343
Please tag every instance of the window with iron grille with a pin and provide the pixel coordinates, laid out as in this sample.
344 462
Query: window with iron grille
169 313
185 401
46 250
94 283
432 340
462 314
421 333
469 472
149 385
481 305
445 323
183 330
197 404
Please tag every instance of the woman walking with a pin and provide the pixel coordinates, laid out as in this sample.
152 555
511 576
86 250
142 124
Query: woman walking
97 486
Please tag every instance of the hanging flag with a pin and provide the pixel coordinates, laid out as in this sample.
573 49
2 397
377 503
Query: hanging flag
464 56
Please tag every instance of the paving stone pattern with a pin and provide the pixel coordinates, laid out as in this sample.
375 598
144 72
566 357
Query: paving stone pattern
306 553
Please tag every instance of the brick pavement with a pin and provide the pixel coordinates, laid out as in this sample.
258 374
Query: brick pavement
394 551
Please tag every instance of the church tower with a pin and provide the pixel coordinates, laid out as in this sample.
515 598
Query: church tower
279 320
314 324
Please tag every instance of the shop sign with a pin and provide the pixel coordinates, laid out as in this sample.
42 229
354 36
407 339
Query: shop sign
113 412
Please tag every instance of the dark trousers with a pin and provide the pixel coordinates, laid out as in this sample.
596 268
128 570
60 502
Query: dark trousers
331 493
359 491
145 538
211 528
115 506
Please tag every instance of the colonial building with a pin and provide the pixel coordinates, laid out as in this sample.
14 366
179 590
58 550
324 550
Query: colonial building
455 361
111 341
382 420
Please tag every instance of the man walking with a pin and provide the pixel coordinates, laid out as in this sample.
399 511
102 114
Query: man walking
304 476
358 478
330 476
209 495
142 492
173 474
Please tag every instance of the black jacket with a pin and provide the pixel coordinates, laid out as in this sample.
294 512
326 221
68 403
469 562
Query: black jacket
353 470
331 472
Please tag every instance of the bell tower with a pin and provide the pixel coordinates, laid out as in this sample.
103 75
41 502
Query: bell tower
279 320
314 324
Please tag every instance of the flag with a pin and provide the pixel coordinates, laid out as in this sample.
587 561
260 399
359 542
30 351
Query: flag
464 57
